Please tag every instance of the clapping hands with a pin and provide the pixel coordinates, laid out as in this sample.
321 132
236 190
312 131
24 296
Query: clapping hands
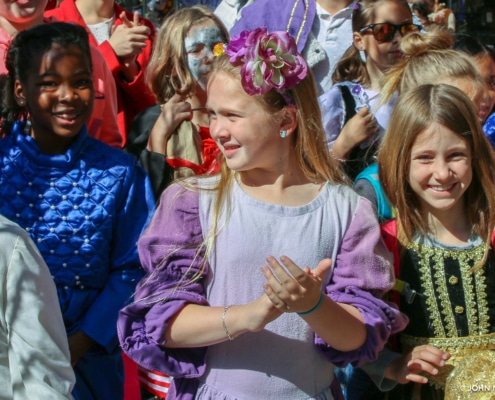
292 289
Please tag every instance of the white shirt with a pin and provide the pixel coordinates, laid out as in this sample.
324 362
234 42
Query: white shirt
334 33
34 352
101 31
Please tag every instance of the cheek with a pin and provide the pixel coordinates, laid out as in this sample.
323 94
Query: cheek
467 174
417 175
4 9
383 51
90 101
377 53
38 99
193 63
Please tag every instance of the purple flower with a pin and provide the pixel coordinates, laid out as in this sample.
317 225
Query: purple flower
356 90
235 49
269 61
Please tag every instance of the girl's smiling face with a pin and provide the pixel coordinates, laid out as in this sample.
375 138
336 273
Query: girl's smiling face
247 135
22 11
59 96
199 44
440 169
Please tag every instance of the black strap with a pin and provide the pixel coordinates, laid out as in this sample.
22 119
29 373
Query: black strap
350 103
358 158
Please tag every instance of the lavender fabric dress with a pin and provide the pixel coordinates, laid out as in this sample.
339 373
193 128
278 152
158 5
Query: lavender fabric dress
286 359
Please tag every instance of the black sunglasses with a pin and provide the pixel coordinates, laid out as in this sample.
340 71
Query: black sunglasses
385 32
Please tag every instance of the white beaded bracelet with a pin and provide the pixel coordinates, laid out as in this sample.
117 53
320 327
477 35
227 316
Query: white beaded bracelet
223 323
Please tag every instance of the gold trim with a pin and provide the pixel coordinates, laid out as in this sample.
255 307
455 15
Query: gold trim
482 303
306 7
458 347
425 253
477 342
441 311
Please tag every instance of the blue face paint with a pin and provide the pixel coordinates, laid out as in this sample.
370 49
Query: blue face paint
199 45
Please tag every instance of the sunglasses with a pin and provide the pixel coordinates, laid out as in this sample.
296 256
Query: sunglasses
385 32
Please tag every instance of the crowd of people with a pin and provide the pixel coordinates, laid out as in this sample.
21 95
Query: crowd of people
256 199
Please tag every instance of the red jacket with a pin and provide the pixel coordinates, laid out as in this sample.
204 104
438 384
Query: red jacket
132 97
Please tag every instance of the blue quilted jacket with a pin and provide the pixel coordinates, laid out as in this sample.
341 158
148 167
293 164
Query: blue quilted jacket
85 209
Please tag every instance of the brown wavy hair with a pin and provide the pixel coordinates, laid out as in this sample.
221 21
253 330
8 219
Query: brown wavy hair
415 111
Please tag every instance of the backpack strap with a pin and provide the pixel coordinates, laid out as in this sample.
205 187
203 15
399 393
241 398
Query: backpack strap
349 102
384 208
401 288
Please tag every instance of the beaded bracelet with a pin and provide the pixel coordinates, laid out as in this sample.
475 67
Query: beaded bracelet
223 323
314 308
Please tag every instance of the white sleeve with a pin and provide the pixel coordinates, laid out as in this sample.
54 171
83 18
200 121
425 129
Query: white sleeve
38 357
451 21
376 369
229 11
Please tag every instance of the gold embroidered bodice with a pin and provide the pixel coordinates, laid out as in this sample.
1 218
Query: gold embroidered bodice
453 300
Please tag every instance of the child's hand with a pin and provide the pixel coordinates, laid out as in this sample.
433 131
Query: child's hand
79 345
358 129
294 289
129 39
408 368
174 112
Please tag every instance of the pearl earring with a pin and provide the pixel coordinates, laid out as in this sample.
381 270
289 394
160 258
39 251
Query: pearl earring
20 102
362 55
283 134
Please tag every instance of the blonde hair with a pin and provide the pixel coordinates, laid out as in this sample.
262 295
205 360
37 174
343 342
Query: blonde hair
351 67
167 72
415 111
428 57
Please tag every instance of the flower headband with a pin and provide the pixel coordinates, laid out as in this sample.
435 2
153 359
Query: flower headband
269 61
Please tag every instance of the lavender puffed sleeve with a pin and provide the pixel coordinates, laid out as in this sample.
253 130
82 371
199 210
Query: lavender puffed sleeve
170 252
363 273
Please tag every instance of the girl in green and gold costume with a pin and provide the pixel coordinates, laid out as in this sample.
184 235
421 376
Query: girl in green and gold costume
439 174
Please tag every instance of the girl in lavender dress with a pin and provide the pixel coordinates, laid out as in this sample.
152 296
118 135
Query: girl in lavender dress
262 277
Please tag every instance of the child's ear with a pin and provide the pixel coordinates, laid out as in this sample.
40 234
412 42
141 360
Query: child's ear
358 41
289 119
19 94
